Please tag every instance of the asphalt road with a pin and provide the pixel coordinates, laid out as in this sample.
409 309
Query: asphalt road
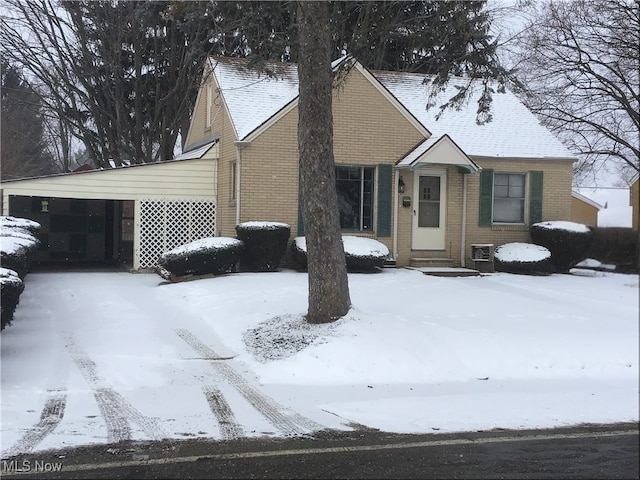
588 451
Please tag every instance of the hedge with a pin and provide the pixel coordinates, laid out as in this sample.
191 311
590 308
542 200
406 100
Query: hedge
213 255
11 287
523 258
361 254
265 243
568 242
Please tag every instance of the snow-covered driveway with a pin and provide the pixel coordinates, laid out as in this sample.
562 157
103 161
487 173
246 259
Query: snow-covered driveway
104 357
119 359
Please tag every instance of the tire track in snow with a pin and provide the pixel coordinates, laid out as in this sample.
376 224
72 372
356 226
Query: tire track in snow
288 423
229 427
116 411
50 417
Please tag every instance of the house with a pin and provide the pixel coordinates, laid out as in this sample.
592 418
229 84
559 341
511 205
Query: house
634 200
584 210
427 188
615 210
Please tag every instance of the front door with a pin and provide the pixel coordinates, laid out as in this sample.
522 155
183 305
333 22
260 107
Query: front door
429 211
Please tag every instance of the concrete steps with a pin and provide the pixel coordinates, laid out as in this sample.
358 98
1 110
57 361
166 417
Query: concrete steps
430 262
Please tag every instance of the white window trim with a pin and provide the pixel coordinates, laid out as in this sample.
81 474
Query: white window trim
525 214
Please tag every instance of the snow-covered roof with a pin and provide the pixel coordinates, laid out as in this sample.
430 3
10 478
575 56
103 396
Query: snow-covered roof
586 200
615 210
421 152
195 153
253 98
514 131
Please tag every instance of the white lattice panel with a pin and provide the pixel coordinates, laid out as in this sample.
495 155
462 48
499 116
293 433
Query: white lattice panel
166 224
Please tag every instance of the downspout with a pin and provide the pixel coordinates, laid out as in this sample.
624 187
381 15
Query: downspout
239 146
463 239
395 216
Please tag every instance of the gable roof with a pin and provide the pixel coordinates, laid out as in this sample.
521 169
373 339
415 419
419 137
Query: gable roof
441 151
255 99
586 200
615 211
514 131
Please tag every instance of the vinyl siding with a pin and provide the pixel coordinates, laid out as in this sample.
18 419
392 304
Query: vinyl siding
178 179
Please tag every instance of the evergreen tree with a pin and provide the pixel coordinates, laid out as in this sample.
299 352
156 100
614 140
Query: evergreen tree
122 76
440 39
23 148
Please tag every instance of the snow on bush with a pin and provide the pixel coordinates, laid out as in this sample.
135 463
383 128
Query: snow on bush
524 258
265 243
595 264
17 241
361 254
11 286
17 222
521 252
263 225
563 225
568 242
19 237
213 255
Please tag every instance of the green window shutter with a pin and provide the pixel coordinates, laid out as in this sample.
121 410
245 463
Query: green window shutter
385 199
535 197
486 198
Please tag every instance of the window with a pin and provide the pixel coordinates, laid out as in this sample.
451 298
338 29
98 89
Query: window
508 197
234 175
209 105
354 186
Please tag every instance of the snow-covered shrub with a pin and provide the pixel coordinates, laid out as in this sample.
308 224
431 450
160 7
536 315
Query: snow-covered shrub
213 255
8 222
265 243
524 258
615 246
568 242
17 241
11 286
361 254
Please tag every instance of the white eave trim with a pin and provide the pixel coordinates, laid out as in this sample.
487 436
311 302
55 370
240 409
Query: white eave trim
372 79
196 153
586 200
418 156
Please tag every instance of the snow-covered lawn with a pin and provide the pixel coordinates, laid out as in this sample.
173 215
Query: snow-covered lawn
98 357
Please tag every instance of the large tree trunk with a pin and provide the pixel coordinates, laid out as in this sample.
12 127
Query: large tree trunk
328 286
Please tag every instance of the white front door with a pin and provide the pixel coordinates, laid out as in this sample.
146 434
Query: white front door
429 212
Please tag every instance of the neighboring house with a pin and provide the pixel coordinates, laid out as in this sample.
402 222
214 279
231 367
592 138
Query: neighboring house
634 197
615 210
584 210
427 188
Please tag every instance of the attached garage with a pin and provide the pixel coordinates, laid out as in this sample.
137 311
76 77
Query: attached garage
128 214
